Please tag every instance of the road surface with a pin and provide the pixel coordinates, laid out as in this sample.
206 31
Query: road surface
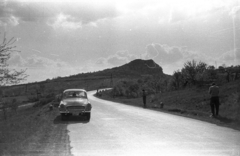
122 130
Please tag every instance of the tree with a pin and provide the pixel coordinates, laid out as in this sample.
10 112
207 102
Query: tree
7 75
189 71
201 67
211 73
177 79
194 71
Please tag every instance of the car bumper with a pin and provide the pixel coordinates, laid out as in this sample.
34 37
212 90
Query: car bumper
74 112
75 109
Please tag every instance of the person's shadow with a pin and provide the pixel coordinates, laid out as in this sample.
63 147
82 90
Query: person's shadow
70 120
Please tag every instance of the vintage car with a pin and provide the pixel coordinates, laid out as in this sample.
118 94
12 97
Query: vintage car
75 102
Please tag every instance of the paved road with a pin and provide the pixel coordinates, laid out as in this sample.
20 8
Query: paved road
121 130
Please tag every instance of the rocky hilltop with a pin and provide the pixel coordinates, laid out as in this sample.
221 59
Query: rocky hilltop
135 68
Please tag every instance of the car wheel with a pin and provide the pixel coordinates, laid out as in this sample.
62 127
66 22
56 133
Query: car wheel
88 116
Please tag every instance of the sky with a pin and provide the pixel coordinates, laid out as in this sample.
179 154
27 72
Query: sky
66 37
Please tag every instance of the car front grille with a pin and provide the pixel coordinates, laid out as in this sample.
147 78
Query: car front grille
75 107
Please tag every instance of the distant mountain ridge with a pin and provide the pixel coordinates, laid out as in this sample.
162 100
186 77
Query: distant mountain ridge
140 67
133 69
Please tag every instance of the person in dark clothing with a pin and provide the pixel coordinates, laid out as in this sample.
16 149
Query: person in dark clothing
214 101
144 95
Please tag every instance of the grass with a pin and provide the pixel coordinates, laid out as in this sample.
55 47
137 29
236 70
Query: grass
30 132
193 102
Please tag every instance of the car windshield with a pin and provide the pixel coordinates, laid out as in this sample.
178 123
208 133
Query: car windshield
74 94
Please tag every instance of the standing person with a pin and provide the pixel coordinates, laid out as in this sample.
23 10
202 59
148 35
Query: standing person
144 95
214 101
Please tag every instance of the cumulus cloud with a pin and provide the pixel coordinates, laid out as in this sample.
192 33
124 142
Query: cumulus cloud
176 16
65 22
229 58
163 53
34 62
119 58
172 58
16 60
32 11
40 68
8 19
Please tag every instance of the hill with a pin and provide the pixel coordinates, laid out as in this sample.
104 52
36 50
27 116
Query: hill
133 69
90 81
136 68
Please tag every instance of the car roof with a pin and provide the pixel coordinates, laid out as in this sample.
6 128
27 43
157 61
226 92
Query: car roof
67 90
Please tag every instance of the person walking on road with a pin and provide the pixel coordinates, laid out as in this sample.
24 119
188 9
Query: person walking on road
214 100
144 95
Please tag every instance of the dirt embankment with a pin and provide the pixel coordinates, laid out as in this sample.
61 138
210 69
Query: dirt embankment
34 131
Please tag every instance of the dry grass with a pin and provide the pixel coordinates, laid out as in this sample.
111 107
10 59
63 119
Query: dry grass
194 102
27 132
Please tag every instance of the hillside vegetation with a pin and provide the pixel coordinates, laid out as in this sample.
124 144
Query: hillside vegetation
186 92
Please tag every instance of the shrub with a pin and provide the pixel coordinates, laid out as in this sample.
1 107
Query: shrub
14 105
45 100
32 98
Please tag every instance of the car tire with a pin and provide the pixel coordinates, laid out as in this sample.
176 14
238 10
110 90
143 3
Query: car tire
88 116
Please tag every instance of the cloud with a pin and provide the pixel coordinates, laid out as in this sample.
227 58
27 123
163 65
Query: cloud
33 61
11 20
66 22
74 13
119 58
40 68
176 16
163 53
229 58
16 60
173 58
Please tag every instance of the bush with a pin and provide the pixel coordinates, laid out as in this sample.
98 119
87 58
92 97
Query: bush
32 98
14 105
45 100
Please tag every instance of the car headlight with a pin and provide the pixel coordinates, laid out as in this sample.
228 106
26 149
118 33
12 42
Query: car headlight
62 106
88 107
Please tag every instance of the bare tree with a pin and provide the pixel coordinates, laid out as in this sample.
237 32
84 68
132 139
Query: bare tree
7 75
